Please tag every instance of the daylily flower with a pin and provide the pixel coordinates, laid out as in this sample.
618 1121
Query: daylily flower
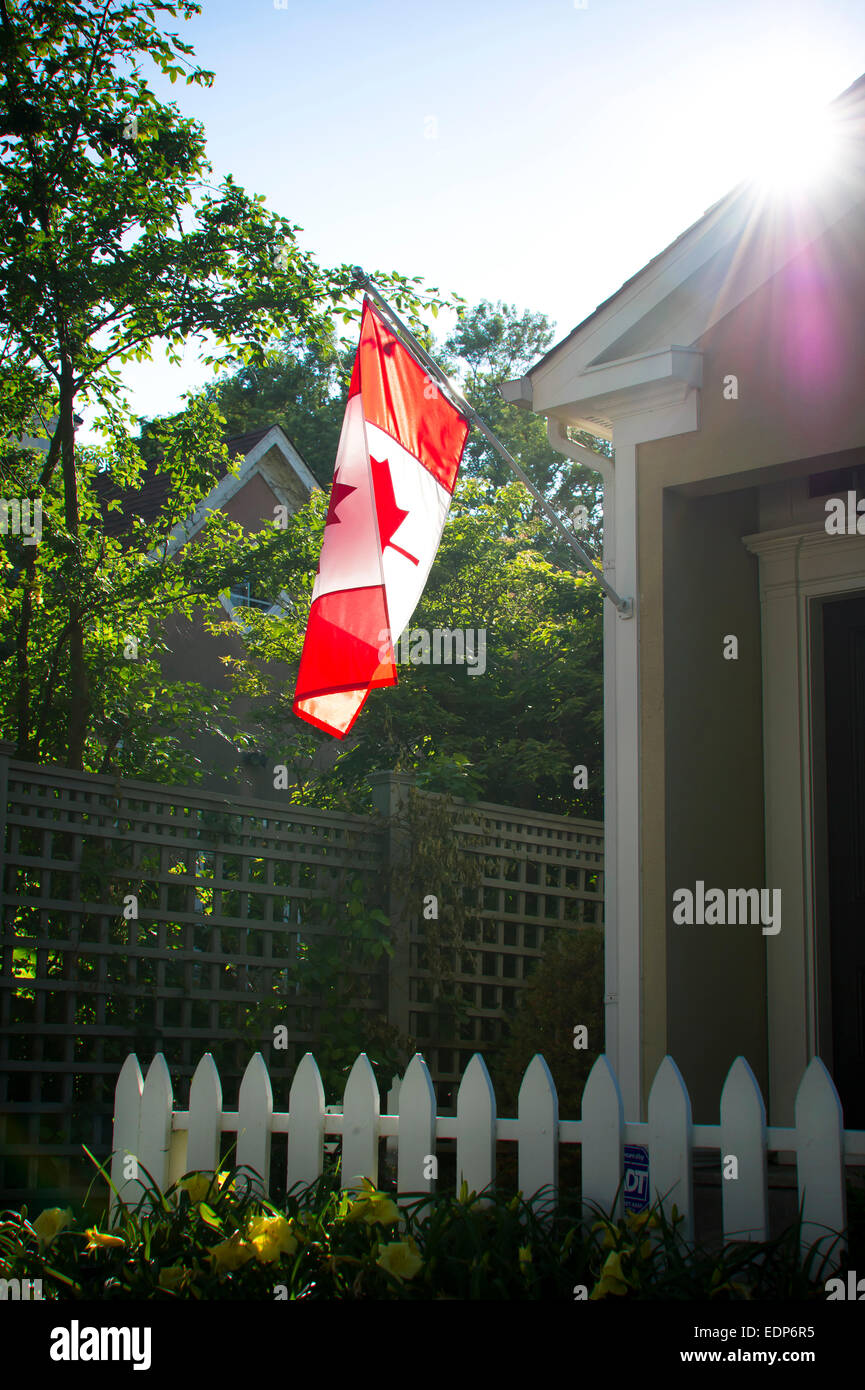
196 1187
525 1254
271 1236
199 1186
99 1240
612 1280
231 1253
372 1207
50 1223
401 1258
638 1220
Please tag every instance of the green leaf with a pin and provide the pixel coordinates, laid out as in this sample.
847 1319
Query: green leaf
209 1215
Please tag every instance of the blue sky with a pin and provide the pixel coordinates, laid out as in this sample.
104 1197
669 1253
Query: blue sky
524 150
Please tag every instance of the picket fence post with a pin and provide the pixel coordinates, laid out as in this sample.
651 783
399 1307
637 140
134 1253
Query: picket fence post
744 1196
603 1128
126 1131
417 1128
820 1161
157 1105
254 1122
538 1143
476 1128
360 1111
205 1109
306 1123
671 1176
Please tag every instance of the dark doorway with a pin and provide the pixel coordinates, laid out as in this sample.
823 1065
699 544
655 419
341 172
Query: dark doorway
844 665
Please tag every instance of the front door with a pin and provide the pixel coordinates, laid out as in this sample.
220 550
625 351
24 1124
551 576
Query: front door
844 655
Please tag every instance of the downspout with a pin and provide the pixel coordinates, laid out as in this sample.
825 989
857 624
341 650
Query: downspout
557 434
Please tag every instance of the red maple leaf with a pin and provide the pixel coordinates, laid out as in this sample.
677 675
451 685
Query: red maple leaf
338 494
390 516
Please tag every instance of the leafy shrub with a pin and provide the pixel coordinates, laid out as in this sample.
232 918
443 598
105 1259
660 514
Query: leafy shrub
214 1236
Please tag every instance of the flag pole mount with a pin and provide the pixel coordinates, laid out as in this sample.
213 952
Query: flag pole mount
624 606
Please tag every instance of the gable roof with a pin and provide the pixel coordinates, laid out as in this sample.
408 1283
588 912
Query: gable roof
147 501
701 276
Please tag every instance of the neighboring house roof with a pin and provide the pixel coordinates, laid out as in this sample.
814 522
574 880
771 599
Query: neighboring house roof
245 443
646 330
268 452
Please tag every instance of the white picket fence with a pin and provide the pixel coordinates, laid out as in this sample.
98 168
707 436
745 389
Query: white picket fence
169 1142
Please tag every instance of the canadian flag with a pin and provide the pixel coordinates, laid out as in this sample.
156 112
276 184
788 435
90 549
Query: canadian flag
396 468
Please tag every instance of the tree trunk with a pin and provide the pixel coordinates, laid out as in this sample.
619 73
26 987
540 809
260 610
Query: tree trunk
79 685
27 742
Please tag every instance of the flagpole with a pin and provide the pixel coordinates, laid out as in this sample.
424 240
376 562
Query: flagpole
625 606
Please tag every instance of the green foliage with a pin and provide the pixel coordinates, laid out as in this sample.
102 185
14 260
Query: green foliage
436 835
511 735
214 1236
345 941
492 343
113 239
566 989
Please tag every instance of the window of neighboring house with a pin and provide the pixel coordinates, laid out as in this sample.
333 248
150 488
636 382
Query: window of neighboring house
241 596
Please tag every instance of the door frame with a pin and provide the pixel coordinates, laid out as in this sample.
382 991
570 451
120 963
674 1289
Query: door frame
800 568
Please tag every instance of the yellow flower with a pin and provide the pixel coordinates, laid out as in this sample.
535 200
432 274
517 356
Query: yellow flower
98 1240
401 1258
372 1207
231 1253
171 1278
50 1223
639 1220
271 1236
525 1254
612 1280
196 1187
200 1186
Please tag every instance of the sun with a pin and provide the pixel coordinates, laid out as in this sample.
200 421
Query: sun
794 149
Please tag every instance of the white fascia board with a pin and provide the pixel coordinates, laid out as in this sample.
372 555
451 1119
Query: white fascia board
277 436
232 483
518 392
647 381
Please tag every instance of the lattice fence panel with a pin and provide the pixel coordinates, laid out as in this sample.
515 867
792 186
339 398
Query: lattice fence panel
141 917
544 873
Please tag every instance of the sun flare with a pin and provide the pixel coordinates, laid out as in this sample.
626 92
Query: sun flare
795 149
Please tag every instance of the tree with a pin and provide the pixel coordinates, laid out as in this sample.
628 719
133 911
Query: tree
512 734
492 343
516 733
565 992
112 240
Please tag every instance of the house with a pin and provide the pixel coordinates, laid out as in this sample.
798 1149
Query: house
272 474
729 374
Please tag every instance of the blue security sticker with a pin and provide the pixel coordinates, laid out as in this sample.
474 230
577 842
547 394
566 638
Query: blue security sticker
636 1177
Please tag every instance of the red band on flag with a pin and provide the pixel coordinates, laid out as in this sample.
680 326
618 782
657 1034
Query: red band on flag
399 397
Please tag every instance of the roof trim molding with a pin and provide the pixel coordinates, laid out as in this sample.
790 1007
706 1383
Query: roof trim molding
233 482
